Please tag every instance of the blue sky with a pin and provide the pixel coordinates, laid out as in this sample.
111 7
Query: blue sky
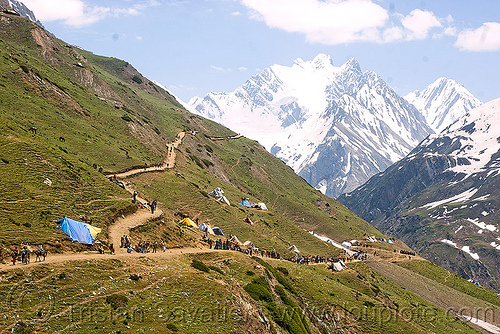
195 47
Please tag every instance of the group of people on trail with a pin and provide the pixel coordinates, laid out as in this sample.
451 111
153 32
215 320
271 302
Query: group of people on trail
143 246
227 245
24 254
154 164
311 259
403 251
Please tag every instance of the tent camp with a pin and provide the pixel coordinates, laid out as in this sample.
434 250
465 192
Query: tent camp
206 228
235 240
293 249
218 194
187 222
79 232
217 231
246 203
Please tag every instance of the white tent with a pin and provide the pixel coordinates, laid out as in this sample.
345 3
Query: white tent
218 194
206 228
347 244
261 206
235 240
338 266
293 249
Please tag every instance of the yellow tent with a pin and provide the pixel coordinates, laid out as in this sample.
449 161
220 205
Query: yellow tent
209 229
94 230
236 240
187 222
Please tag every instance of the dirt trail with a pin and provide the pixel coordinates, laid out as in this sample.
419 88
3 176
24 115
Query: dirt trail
167 164
60 258
122 225
238 136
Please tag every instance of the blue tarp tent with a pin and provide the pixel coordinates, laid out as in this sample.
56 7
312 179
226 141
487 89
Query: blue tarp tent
79 232
217 231
246 203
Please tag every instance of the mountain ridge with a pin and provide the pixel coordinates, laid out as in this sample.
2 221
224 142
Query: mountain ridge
311 108
443 102
444 194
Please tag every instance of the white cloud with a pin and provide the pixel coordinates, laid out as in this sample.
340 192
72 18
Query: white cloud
348 21
484 38
236 13
139 38
419 23
78 13
242 69
327 22
220 69
393 34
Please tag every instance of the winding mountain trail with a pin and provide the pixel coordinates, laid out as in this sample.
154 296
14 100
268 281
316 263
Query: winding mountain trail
122 225
238 136
167 164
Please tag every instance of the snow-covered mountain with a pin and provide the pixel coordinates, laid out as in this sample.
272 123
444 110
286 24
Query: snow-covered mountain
443 102
443 199
336 126
20 8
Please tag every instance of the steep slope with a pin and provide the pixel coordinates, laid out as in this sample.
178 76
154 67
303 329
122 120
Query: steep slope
63 110
443 198
443 102
335 126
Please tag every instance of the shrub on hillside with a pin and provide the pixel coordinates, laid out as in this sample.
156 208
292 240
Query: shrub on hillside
117 300
260 290
200 266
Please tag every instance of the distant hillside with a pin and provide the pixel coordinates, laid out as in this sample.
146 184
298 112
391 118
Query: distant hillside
443 199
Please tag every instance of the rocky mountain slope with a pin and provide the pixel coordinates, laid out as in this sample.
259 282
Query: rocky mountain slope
443 102
335 126
443 198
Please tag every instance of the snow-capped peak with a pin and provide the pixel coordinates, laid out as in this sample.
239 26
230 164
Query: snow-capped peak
335 126
322 60
24 11
350 65
473 140
443 102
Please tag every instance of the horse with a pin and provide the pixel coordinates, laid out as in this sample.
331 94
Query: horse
39 254
25 256
33 129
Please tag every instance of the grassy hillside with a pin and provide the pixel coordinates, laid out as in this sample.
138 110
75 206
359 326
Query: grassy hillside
91 110
236 294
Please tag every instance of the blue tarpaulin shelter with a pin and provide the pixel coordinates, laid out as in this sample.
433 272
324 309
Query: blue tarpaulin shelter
217 231
79 232
246 203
